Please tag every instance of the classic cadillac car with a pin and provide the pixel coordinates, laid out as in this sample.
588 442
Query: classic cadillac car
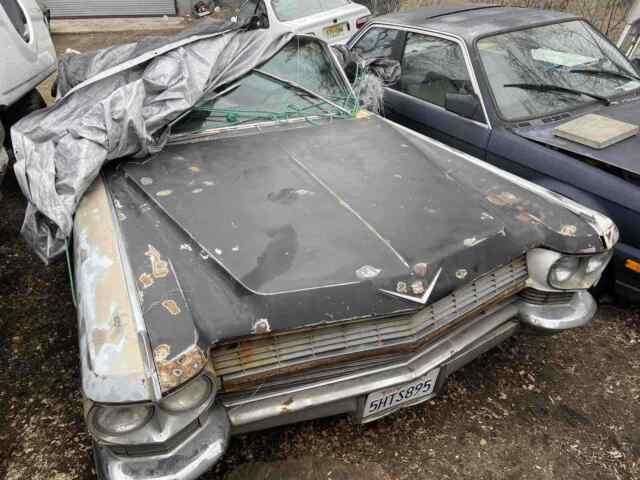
286 258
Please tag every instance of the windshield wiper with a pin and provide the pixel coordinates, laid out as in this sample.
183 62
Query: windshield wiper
299 87
604 73
545 87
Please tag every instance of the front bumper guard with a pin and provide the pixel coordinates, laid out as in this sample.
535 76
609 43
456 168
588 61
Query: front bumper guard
204 447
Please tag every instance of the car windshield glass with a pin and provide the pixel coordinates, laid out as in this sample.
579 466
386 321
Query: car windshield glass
571 55
293 9
300 81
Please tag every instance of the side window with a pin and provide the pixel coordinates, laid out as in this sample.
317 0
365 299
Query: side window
432 67
377 43
17 18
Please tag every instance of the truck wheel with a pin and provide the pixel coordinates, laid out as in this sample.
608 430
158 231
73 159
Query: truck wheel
31 102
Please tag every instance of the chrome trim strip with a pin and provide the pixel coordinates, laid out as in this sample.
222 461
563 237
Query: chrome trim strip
424 298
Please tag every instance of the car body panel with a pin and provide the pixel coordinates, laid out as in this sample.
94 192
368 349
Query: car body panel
622 155
316 24
113 351
24 63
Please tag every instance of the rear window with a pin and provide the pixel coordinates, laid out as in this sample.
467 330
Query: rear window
293 9
17 18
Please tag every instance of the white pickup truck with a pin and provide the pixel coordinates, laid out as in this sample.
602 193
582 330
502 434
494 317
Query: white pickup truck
28 57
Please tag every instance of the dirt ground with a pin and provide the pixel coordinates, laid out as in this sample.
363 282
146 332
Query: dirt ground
563 407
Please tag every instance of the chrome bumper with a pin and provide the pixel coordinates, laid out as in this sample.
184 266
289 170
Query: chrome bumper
346 394
193 457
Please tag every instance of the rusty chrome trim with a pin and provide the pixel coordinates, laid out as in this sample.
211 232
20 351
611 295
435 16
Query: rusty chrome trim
257 407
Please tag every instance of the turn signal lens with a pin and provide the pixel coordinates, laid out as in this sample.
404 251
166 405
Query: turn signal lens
632 265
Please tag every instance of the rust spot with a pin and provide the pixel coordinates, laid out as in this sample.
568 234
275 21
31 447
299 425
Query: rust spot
194 168
164 193
284 407
568 230
159 267
529 218
171 306
161 352
417 287
502 199
401 287
261 326
146 280
179 369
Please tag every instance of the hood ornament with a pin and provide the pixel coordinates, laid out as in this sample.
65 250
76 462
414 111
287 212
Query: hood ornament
424 298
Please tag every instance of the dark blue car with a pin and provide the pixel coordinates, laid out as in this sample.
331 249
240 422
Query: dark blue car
501 83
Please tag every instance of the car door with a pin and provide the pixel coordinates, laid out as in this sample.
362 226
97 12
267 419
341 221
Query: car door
434 78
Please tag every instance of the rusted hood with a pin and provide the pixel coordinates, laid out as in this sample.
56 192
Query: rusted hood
300 225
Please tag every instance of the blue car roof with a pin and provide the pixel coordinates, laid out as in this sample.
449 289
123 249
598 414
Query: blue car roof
472 21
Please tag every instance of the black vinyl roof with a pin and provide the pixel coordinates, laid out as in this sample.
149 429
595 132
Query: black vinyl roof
471 21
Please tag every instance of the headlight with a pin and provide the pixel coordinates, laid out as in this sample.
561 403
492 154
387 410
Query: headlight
191 396
576 273
118 420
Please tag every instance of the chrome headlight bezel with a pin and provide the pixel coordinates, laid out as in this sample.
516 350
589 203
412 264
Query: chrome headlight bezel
581 272
188 394
97 424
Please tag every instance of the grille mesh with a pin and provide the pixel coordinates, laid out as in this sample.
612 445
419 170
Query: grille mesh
538 297
287 352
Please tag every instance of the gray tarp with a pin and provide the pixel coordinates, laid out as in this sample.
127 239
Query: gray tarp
119 102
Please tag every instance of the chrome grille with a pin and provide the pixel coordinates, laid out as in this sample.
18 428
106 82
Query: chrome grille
538 297
255 359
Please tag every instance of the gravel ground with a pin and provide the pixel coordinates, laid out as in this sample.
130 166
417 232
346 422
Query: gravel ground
535 408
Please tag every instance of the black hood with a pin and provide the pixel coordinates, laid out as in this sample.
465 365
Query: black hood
622 155
305 224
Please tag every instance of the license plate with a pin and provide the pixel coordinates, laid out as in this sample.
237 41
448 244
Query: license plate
335 30
384 401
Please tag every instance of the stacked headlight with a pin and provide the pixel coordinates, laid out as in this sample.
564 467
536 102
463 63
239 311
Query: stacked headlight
191 396
120 420
571 272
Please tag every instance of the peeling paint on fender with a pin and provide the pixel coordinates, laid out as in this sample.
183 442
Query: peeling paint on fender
112 357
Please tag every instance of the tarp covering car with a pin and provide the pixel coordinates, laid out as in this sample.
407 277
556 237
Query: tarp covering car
119 102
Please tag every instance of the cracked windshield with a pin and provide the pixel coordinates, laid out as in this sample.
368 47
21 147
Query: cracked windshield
300 81
545 70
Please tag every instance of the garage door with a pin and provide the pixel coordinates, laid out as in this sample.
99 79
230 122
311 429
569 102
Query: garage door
114 8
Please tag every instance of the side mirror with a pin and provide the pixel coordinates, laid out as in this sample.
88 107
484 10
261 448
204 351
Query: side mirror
465 105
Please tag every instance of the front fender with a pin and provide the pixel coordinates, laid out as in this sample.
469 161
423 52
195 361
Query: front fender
114 348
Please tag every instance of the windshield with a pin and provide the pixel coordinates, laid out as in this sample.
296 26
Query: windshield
569 55
300 81
293 9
